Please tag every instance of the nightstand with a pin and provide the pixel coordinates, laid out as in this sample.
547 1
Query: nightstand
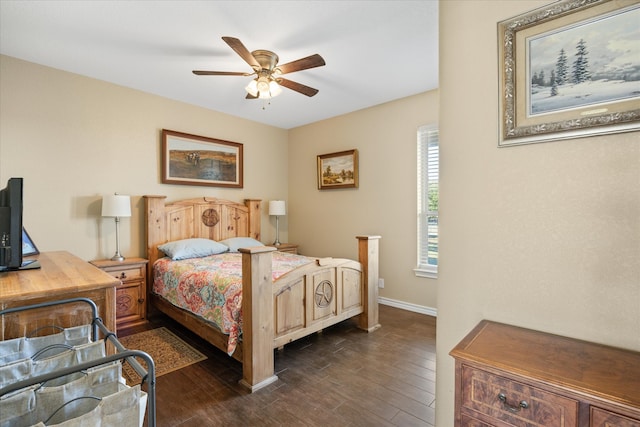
131 293
287 247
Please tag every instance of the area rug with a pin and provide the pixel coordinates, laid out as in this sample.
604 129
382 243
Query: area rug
169 353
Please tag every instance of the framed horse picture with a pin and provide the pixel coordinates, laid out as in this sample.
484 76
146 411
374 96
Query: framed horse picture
198 160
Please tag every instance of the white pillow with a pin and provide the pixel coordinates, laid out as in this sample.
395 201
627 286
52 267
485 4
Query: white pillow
235 243
192 248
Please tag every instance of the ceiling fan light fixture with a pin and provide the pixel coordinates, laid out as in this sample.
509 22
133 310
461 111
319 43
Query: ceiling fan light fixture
263 84
252 88
274 88
264 87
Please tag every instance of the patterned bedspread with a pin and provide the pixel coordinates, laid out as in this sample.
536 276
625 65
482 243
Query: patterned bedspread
211 287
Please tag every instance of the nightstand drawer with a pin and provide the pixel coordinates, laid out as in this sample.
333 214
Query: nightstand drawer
512 402
287 247
601 417
126 274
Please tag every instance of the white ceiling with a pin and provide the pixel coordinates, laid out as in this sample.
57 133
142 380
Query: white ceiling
375 51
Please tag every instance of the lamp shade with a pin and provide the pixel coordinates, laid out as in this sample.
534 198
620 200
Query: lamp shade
277 208
116 205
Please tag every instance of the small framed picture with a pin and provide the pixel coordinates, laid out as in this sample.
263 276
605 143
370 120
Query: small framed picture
198 160
338 170
28 247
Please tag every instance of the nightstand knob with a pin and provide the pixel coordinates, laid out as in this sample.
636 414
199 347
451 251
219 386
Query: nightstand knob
123 275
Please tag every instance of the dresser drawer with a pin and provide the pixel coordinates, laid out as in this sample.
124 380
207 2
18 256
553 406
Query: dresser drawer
603 418
472 422
493 397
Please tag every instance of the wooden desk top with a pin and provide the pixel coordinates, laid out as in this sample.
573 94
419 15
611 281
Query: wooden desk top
61 273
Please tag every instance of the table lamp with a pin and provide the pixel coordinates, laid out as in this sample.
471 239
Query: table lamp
116 206
277 208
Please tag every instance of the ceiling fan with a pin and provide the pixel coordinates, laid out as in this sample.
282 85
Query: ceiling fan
267 71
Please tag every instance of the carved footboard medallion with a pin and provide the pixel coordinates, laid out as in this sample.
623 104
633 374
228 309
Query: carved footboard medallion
324 294
319 305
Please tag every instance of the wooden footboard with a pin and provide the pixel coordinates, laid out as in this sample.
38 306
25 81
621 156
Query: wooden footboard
300 303
316 296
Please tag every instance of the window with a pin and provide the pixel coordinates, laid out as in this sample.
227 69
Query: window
428 191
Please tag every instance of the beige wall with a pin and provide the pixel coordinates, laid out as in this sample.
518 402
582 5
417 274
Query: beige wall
545 236
325 222
74 139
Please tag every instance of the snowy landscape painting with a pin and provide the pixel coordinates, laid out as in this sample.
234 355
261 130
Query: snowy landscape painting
589 64
569 69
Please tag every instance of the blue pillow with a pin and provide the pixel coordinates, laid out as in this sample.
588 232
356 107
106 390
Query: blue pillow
192 248
235 243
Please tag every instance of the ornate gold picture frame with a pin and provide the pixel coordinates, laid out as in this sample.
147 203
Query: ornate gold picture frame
338 170
569 69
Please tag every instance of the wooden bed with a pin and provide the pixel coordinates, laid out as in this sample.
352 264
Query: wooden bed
302 302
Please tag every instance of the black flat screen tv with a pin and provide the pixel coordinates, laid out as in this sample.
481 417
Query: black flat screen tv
11 225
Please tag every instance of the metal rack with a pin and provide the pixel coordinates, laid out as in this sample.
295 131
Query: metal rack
148 375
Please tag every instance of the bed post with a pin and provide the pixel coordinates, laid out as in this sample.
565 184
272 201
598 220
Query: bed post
368 254
156 230
257 318
254 217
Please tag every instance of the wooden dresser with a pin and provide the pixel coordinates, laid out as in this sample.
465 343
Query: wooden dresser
61 276
510 376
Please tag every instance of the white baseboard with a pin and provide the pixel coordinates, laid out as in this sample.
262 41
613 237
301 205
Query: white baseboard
430 311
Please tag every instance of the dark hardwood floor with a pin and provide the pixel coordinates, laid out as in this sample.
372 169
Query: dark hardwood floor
340 377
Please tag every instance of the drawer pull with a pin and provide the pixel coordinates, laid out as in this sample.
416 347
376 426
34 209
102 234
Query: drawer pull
123 276
513 408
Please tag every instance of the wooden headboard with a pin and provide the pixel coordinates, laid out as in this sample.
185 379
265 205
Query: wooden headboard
204 217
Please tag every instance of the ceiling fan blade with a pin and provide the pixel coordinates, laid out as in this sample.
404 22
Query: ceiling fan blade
241 50
302 64
220 73
298 87
249 96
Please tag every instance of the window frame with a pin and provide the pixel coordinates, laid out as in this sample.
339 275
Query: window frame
425 180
